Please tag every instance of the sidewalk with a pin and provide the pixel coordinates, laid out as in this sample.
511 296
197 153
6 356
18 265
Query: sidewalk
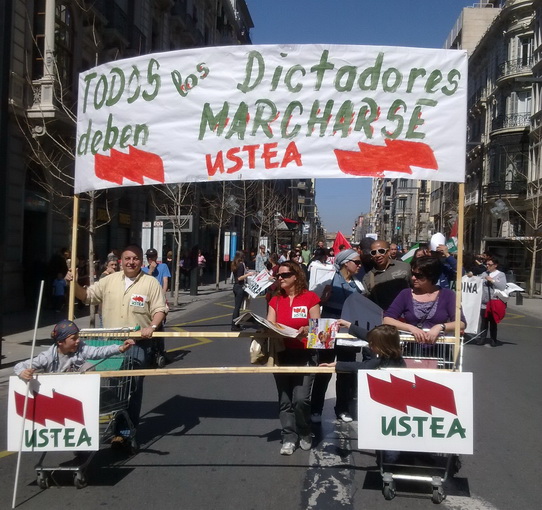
19 327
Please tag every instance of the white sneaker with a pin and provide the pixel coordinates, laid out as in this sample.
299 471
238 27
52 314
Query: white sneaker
345 417
287 449
316 418
305 442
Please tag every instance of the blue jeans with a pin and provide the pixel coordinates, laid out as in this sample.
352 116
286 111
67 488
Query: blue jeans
140 357
294 392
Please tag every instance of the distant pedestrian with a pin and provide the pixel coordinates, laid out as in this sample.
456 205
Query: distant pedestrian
261 258
493 309
59 292
240 274
157 269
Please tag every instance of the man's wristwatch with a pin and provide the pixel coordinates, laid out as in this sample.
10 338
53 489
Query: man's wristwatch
443 327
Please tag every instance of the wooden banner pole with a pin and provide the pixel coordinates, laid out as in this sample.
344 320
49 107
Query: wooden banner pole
460 243
73 262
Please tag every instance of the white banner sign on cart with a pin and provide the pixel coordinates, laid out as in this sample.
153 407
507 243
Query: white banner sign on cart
415 411
62 413
272 112
471 301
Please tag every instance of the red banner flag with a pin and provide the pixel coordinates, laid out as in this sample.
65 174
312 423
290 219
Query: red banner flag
339 240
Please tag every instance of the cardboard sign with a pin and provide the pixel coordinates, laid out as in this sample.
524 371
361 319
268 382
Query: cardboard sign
272 112
415 411
62 413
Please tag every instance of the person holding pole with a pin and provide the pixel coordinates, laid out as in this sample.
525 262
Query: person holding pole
293 306
67 354
129 298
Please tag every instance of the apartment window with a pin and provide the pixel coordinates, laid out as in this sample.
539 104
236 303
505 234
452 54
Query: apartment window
39 39
64 44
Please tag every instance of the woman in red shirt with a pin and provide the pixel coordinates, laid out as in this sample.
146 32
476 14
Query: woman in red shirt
292 306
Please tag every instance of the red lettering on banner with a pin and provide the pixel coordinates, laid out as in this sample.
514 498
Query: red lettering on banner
248 156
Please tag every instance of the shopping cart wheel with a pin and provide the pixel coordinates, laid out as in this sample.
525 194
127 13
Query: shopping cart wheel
43 480
160 361
438 495
79 480
388 490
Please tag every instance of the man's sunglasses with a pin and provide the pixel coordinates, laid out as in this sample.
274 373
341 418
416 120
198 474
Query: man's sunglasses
285 275
380 251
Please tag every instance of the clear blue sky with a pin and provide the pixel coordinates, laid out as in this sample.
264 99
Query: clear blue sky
420 23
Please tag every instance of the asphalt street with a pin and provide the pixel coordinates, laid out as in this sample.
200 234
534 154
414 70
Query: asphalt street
212 441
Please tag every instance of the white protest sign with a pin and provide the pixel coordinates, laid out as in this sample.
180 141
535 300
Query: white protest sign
272 112
415 411
62 413
257 284
471 301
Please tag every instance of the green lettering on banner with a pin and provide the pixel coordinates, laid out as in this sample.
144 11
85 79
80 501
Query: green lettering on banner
152 78
285 123
137 75
397 80
404 421
69 436
413 76
344 118
366 116
135 135
321 68
54 434
437 424
288 78
84 438
434 79
239 123
453 76
112 98
372 73
30 439
457 428
395 117
388 428
420 420
264 122
254 57
350 73
322 120
215 123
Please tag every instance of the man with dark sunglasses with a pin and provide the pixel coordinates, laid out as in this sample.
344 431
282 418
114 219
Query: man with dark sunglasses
388 276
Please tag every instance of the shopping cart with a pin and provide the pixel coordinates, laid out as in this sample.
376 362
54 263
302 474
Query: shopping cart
433 468
114 399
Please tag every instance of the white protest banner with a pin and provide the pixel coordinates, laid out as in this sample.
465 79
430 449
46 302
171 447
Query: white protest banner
415 411
62 413
471 301
257 284
272 112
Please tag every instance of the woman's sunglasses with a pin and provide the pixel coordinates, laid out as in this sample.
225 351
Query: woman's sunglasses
418 276
357 262
284 275
380 251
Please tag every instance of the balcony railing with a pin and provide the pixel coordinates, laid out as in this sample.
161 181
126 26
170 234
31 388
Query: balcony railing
514 120
506 188
516 66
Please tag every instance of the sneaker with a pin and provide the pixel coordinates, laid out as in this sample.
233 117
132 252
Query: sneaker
305 442
345 417
316 418
287 449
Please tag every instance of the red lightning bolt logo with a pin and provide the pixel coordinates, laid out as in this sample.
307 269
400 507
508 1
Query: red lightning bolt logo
420 394
57 408
133 166
395 156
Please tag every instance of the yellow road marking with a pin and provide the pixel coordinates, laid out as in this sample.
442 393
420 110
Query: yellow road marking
5 454
199 320
201 341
